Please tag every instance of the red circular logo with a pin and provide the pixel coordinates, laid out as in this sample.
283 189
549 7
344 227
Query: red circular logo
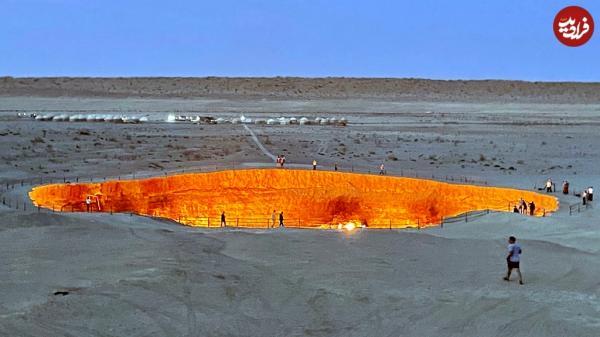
573 26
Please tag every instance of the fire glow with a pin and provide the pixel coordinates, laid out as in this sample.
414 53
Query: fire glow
315 199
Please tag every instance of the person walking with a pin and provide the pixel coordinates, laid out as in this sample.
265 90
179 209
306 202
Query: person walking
282 160
513 259
565 187
335 167
590 193
88 203
382 169
223 222
532 208
281 219
273 216
314 163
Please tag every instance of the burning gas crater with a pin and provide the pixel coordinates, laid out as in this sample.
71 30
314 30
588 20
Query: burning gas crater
315 199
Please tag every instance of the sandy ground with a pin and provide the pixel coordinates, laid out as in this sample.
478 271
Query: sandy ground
132 276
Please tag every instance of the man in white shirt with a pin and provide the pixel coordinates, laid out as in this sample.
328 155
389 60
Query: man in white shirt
513 259
549 185
590 193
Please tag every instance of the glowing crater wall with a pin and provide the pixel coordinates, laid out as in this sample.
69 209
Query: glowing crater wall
307 198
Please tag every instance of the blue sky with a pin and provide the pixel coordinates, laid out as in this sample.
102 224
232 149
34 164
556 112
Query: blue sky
427 39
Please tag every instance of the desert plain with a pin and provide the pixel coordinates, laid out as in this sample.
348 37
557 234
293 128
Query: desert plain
100 274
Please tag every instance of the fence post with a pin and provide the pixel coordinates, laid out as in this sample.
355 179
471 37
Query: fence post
418 223
442 222
208 219
237 222
390 224
467 217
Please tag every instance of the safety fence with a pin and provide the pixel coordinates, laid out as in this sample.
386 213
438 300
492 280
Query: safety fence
578 207
268 222
395 172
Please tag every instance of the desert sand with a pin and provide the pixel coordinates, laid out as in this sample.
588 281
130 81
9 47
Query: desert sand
78 274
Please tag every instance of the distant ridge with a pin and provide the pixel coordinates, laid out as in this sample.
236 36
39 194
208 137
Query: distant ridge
406 89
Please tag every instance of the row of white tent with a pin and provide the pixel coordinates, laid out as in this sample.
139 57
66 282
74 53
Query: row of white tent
286 121
91 118
306 121
271 121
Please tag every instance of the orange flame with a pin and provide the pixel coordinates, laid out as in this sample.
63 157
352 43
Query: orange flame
318 199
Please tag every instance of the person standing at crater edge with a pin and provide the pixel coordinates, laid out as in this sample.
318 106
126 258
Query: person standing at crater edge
549 185
532 208
513 259
223 222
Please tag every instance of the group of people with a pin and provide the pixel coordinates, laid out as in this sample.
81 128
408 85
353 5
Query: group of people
525 208
272 223
280 161
586 195
274 217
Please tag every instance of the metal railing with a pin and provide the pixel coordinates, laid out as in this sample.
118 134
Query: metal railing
394 172
578 207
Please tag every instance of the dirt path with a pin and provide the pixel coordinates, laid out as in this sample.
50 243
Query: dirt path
259 144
